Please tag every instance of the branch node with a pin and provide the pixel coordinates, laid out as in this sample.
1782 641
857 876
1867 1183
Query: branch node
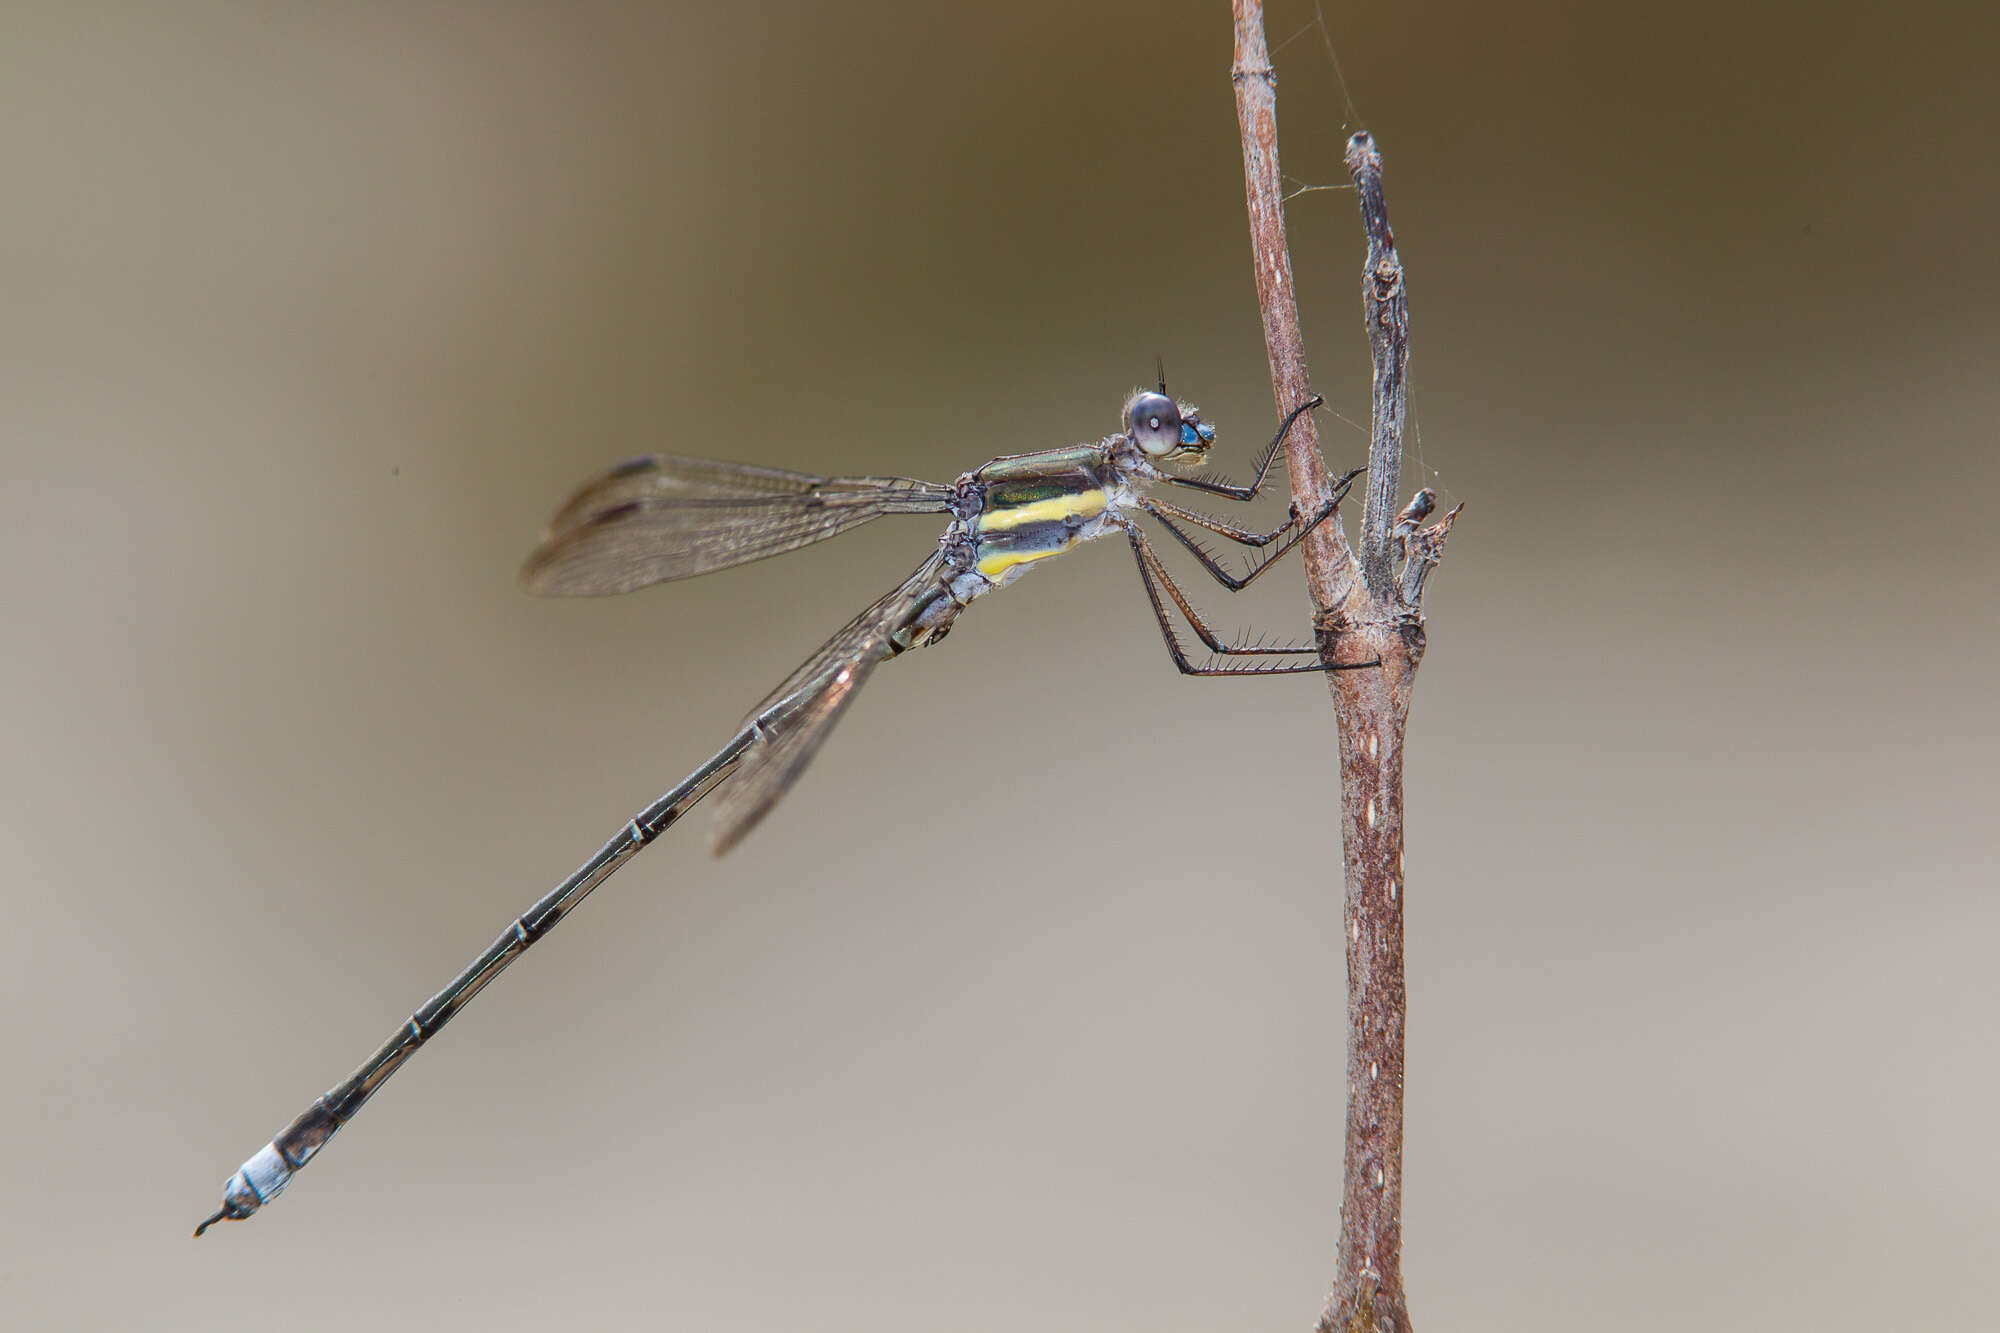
1422 552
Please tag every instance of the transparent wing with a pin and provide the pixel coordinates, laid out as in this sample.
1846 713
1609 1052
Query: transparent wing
673 477
663 517
774 763
796 718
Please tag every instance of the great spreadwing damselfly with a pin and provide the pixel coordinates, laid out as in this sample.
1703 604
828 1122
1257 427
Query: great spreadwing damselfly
661 517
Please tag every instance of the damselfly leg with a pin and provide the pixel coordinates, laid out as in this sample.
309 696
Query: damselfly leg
1150 570
1153 572
1290 530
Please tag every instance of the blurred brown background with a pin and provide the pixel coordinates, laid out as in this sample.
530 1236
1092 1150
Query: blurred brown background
313 313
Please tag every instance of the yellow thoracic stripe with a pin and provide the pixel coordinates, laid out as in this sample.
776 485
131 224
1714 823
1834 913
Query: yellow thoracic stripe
1083 504
999 562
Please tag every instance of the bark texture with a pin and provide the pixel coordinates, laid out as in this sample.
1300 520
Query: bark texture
1363 609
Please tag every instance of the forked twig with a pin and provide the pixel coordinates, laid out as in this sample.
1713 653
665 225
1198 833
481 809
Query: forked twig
1370 600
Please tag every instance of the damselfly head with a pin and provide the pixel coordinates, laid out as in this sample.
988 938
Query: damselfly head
1167 431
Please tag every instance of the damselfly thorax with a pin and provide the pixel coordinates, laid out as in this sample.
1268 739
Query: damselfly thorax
1024 508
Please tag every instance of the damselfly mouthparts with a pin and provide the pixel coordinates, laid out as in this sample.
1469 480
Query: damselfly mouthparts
661 517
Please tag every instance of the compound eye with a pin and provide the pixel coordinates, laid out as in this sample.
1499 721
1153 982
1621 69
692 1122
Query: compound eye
1155 423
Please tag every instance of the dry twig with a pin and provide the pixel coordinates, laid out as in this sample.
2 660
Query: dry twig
1361 609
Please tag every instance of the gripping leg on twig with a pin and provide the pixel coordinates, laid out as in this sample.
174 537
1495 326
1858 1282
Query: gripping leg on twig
1154 575
1291 530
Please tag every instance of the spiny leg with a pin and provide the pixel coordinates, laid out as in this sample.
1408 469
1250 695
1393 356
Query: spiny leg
1230 492
1154 571
1155 577
1244 536
1214 566
1166 513
1151 569
1163 509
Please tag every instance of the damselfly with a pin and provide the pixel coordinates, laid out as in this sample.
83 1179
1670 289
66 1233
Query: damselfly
661 517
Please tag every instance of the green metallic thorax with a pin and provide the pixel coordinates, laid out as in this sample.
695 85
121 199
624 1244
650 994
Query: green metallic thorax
1037 505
